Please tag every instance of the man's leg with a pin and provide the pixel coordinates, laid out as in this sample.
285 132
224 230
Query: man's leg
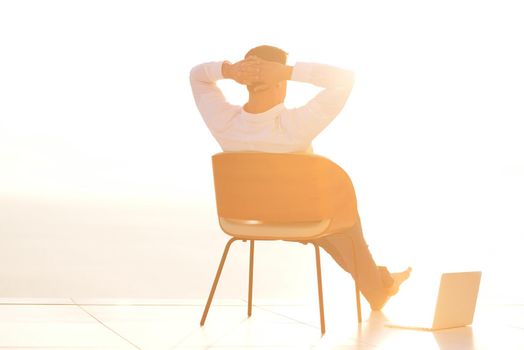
374 280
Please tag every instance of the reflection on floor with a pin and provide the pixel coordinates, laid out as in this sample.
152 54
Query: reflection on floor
174 324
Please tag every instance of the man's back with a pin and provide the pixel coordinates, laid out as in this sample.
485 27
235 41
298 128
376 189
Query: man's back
278 129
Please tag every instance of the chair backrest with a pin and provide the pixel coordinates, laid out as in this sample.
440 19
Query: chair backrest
282 188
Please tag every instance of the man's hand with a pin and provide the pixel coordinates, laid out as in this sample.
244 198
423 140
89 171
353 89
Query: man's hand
243 72
257 72
270 73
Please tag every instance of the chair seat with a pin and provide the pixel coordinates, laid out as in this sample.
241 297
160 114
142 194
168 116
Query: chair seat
253 229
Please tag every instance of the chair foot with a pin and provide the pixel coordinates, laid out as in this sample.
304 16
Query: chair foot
215 283
251 261
320 294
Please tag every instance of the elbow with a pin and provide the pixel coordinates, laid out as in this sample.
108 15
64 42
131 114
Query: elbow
193 74
206 73
346 87
340 94
342 81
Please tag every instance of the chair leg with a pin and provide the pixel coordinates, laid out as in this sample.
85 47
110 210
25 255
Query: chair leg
357 282
217 277
250 295
320 295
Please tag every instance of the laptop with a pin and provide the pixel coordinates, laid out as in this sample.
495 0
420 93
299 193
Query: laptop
456 302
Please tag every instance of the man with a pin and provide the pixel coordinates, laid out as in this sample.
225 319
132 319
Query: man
264 124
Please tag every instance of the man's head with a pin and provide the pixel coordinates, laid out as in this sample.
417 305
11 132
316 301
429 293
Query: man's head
268 53
272 54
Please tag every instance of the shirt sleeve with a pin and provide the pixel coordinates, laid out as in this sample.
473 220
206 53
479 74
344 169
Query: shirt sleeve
211 103
308 121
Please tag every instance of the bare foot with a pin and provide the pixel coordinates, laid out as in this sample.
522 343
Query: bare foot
398 279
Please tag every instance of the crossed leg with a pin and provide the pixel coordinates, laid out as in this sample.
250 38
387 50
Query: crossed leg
377 284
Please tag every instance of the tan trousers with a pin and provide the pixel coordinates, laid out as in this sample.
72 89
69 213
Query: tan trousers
374 280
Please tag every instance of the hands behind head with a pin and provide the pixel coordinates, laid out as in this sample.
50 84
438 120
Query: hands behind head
257 72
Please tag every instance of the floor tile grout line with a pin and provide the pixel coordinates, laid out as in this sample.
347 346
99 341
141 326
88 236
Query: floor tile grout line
263 307
228 332
104 304
277 304
285 316
199 305
215 340
244 302
303 323
187 336
183 339
106 326
37 304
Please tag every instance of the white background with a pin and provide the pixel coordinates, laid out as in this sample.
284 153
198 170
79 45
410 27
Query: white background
105 178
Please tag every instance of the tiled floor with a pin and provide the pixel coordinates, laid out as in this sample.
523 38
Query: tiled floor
174 324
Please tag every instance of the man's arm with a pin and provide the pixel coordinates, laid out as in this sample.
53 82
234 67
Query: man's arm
308 121
210 101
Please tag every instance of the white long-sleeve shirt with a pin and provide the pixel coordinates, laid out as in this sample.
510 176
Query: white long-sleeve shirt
279 129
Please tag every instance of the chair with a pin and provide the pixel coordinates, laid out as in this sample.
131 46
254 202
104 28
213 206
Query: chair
290 197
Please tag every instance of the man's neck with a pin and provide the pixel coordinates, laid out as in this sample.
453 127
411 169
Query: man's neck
260 103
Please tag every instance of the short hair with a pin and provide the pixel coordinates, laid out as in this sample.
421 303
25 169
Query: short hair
268 53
